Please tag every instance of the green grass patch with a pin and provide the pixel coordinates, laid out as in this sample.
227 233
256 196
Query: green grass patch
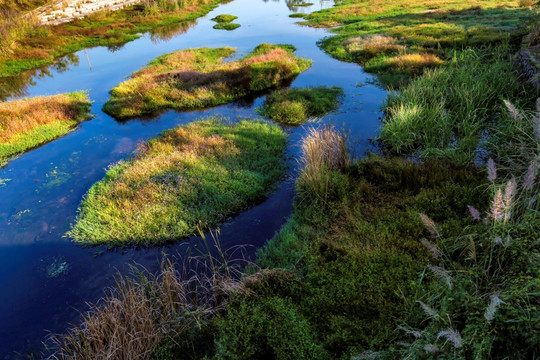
295 106
224 18
450 112
29 123
198 78
399 39
191 177
297 15
226 26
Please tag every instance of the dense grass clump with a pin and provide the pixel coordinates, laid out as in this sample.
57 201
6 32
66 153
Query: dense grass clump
451 111
295 106
226 26
198 78
26 45
224 18
28 123
399 39
191 177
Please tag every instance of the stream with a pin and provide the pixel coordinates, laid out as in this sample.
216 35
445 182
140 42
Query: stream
46 280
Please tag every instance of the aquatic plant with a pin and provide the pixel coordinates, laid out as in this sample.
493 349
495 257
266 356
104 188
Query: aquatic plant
198 78
224 18
28 123
295 106
226 26
193 176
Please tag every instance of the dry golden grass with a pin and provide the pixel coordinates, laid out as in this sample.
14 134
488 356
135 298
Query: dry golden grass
414 62
373 45
20 116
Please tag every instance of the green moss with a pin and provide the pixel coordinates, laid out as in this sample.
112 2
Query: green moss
43 134
226 26
297 15
204 81
295 106
224 18
191 178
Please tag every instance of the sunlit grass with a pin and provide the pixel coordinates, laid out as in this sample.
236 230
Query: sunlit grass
194 176
378 34
295 106
28 123
198 78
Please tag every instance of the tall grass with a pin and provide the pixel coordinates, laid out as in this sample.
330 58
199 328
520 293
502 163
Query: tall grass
143 310
324 151
14 26
447 112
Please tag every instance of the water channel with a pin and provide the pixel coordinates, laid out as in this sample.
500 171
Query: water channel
45 279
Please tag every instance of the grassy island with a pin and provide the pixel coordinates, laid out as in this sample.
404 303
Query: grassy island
198 78
295 106
192 176
28 123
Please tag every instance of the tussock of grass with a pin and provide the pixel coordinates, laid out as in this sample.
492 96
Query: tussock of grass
226 26
224 18
28 123
295 106
193 176
198 78
378 34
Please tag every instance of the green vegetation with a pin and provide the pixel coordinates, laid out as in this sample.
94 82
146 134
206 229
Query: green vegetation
297 15
29 123
295 106
447 112
399 39
226 26
26 45
198 78
225 18
190 178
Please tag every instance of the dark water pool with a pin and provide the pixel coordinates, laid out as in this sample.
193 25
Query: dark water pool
45 279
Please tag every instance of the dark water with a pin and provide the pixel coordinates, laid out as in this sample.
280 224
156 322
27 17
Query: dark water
45 279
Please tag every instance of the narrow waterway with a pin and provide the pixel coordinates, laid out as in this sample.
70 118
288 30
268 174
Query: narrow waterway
45 279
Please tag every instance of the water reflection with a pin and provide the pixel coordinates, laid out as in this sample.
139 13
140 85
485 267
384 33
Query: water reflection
16 86
168 32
